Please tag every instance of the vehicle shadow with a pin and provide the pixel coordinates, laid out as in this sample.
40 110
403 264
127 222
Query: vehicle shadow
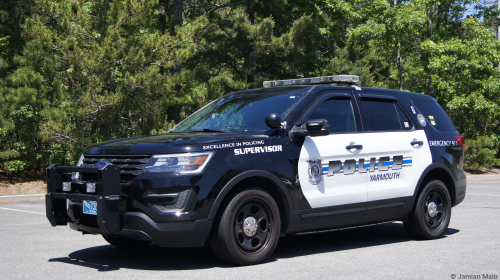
108 258
340 240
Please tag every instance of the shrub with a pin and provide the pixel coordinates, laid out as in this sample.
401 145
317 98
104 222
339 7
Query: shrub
8 155
480 152
14 167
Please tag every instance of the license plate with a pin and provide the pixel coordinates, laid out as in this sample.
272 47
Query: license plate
90 207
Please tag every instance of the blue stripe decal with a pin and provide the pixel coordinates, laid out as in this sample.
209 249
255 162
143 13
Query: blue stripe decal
366 165
325 169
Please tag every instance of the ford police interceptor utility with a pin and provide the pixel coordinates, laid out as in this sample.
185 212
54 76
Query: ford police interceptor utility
295 156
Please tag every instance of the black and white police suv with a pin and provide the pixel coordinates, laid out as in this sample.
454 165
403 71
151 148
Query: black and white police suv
295 156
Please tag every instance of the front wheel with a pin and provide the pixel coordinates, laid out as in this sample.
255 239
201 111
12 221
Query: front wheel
432 213
248 230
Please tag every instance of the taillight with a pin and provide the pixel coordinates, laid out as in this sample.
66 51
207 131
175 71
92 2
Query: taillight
461 140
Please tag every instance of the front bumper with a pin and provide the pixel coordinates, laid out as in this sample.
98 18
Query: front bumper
139 226
63 208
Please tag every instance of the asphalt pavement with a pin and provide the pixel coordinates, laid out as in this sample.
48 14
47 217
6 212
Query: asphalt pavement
30 248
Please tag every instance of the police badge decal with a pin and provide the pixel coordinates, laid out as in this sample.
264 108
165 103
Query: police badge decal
315 171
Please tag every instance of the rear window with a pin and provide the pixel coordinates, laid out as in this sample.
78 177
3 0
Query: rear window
434 114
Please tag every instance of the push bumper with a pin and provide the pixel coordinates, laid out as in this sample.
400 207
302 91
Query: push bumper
109 221
107 195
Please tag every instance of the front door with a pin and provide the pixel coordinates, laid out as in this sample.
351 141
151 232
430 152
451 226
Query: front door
328 164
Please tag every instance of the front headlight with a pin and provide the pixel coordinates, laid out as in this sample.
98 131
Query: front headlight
178 163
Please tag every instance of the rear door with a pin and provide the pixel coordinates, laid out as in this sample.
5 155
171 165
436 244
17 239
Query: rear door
399 150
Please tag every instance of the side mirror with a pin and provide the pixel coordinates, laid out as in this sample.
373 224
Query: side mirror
273 120
312 128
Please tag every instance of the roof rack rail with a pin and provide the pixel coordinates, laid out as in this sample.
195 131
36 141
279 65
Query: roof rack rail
341 79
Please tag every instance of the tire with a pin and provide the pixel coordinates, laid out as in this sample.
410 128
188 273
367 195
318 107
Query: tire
228 239
432 213
121 242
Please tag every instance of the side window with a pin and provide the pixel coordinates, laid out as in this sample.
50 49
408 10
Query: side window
380 115
434 114
338 113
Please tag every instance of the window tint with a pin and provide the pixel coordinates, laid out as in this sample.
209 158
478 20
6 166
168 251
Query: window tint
380 115
434 114
404 121
338 113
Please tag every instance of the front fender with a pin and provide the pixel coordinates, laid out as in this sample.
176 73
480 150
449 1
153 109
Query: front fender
245 175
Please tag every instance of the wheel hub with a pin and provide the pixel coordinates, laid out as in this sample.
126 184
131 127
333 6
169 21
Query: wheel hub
432 209
250 226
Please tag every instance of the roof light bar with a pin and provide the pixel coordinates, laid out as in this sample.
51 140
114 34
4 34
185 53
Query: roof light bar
349 79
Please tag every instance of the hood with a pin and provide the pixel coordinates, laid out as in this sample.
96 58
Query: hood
172 143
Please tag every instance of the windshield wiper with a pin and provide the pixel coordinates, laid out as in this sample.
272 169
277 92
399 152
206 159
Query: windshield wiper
208 130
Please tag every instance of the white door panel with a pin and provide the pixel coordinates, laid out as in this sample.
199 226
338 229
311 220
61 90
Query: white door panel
337 188
391 167
400 179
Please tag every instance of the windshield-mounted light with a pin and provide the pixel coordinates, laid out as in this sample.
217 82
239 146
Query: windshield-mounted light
178 163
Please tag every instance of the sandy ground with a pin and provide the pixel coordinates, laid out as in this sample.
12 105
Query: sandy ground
24 186
36 186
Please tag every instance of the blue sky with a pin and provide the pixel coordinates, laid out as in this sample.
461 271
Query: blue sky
471 10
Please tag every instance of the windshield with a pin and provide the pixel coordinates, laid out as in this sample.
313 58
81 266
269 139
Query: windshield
241 112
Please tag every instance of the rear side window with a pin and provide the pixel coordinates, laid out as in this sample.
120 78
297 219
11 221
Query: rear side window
434 114
382 115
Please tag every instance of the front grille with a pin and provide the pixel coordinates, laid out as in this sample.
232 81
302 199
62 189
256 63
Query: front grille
130 166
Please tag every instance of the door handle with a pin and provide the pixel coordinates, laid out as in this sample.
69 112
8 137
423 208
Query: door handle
357 147
416 143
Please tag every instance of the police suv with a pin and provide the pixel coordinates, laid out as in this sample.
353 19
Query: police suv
295 156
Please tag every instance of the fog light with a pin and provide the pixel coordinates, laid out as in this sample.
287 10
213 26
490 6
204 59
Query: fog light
91 187
66 186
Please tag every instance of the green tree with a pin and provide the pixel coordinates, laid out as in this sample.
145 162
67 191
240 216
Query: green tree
466 78
28 112
240 44
92 71
13 14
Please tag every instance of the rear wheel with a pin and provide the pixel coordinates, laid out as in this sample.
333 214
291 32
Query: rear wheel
121 242
248 230
431 216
